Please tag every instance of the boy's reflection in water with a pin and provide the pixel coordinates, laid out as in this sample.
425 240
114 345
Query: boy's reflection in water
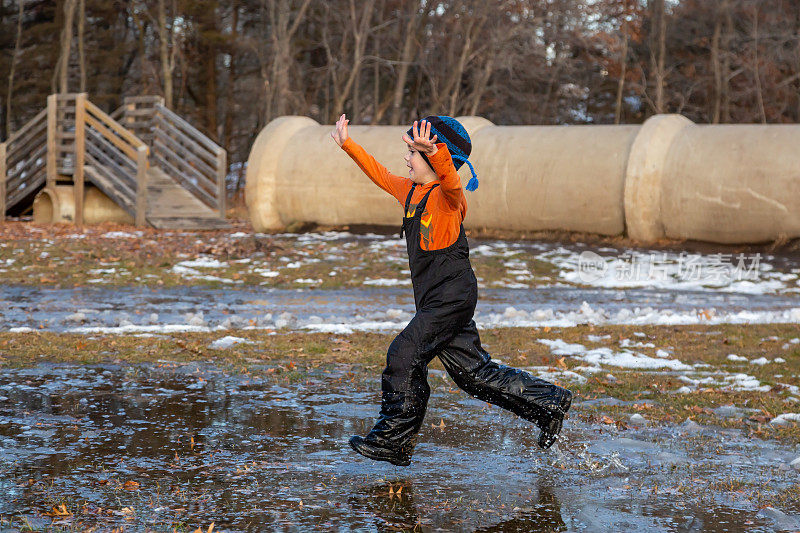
393 505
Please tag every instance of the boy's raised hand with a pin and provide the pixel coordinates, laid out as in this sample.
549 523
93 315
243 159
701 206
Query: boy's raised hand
422 141
339 134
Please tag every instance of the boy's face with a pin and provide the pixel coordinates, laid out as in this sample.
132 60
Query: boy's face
418 169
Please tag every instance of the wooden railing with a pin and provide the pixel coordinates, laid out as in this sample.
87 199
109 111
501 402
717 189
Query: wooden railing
23 162
70 140
74 140
116 159
192 159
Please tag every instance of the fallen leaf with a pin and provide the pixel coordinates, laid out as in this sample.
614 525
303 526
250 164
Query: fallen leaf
131 485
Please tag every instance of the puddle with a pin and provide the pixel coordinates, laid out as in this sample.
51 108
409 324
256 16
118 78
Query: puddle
142 309
157 446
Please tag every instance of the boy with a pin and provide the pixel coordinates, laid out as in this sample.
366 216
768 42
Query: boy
445 295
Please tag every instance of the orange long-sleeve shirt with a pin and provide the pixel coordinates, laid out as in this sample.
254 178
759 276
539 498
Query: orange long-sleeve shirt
446 206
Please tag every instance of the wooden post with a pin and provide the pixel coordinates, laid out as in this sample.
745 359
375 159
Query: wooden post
52 109
2 183
222 171
79 155
141 186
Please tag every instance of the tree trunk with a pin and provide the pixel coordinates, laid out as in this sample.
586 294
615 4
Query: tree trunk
60 75
405 61
81 39
757 69
623 67
716 68
797 37
359 32
167 61
282 33
14 57
658 27
726 63
230 99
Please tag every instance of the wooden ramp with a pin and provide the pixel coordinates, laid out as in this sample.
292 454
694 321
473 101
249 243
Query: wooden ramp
171 206
153 164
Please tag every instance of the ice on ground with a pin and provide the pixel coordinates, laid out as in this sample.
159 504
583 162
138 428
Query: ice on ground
190 273
345 329
122 235
133 328
785 418
760 361
586 314
745 382
734 357
383 282
668 270
228 341
607 356
308 281
203 262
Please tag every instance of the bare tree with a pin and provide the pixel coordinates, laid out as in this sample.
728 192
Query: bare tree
14 57
81 39
61 72
283 30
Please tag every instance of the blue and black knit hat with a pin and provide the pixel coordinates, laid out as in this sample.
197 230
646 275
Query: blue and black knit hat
450 131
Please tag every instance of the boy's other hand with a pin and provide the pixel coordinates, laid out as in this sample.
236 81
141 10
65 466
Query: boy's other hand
422 141
339 133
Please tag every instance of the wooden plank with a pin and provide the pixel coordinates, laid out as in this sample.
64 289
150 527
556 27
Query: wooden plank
141 186
104 162
208 169
40 117
120 188
146 98
129 150
20 149
193 132
16 196
141 112
204 196
222 169
114 125
120 162
14 171
2 182
66 97
186 170
79 156
52 104
117 113
105 185
186 142
117 159
15 182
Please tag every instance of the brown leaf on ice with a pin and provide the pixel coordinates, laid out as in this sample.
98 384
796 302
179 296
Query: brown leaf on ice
131 485
61 510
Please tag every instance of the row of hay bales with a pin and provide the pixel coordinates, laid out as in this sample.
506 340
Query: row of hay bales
667 178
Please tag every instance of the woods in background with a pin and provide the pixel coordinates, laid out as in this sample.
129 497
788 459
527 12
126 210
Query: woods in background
231 66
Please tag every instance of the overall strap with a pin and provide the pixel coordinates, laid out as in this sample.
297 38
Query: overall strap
408 199
405 208
422 203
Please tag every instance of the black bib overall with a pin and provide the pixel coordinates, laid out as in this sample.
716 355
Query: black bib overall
445 295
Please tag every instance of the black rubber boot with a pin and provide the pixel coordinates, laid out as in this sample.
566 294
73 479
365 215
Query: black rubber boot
395 433
551 421
377 452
